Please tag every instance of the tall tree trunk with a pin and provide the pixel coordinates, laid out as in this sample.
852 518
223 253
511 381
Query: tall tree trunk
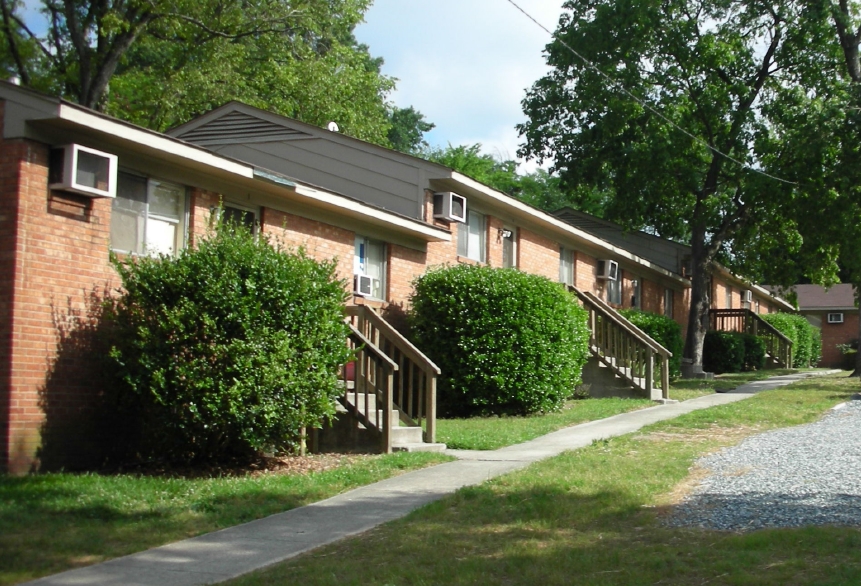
699 310
857 372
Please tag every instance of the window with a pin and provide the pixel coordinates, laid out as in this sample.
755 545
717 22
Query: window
148 216
509 248
635 293
472 237
745 304
668 302
566 266
727 302
370 261
614 290
240 216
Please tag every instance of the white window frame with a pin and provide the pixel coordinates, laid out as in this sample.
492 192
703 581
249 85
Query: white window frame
362 264
472 237
566 266
614 289
251 210
727 300
180 223
636 285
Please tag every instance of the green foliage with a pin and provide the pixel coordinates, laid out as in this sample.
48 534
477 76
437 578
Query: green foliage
230 347
806 339
664 330
507 342
539 189
754 352
407 130
723 352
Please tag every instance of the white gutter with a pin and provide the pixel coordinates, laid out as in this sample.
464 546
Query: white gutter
545 218
70 113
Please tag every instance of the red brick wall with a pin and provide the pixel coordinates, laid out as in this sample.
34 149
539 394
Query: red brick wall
833 334
494 241
586 274
537 255
321 241
60 261
653 296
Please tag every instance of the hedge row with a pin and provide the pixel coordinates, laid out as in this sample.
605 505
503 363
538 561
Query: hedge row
732 352
507 342
806 339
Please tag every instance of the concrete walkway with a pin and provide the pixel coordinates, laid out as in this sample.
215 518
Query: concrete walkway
231 552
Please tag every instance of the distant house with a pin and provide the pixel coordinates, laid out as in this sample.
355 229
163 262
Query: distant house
834 311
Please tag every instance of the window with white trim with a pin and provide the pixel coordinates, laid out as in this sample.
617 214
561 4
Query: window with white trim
472 237
614 290
148 216
668 302
566 266
370 261
727 302
239 215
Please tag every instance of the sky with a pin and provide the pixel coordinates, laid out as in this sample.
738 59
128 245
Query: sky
464 64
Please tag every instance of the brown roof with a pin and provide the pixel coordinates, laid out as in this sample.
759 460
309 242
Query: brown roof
817 297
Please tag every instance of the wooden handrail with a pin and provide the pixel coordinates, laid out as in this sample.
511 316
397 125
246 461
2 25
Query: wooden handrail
624 347
414 386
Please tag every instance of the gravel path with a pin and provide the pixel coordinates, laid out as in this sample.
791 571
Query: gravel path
805 475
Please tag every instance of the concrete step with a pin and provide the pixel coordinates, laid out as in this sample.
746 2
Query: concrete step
418 447
406 435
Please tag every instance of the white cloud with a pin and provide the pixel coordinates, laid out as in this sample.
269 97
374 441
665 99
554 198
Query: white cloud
465 64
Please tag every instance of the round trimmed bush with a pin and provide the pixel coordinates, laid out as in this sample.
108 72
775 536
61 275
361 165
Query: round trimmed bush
723 352
664 330
507 342
228 348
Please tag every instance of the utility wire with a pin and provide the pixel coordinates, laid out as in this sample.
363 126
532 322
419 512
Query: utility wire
648 106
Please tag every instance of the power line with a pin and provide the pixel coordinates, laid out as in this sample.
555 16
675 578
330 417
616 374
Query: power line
648 106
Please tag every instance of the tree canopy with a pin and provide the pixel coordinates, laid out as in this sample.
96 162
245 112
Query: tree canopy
160 63
670 110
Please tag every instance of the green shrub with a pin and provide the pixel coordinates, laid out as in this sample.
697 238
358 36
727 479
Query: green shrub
664 330
507 342
754 352
723 352
228 348
806 339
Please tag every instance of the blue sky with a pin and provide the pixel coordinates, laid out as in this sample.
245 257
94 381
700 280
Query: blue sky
465 64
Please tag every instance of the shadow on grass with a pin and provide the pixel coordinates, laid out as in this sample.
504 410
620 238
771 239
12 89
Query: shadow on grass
553 536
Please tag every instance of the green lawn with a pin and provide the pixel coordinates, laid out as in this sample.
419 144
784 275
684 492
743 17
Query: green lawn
54 522
593 516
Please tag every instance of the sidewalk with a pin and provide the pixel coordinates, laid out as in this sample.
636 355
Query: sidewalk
231 552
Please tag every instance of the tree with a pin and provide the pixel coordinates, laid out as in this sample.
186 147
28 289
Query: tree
159 63
669 115
539 188
407 130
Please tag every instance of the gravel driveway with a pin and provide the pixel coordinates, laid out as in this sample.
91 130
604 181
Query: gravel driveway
805 475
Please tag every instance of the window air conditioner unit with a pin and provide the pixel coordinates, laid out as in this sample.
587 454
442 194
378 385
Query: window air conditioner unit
449 206
83 170
363 285
748 296
835 318
608 269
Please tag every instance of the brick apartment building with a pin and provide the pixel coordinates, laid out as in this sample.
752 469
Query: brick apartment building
833 310
384 216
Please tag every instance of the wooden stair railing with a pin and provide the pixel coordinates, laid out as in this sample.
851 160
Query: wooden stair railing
624 347
368 388
777 345
414 384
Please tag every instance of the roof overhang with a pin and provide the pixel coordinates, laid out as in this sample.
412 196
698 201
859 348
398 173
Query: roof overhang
543 222
726 273
53 121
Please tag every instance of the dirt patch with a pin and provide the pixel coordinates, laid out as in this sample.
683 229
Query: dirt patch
261 466
724 435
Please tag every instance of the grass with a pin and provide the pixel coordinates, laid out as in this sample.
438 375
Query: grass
594 516
491 433
54 522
